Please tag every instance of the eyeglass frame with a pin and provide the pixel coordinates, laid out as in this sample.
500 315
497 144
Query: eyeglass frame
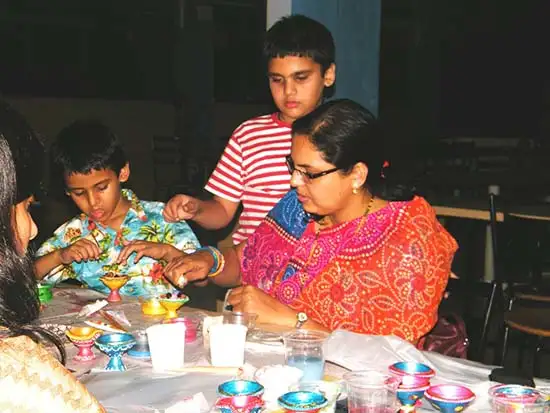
305 174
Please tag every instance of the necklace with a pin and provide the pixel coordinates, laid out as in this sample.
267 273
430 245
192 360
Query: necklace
359 226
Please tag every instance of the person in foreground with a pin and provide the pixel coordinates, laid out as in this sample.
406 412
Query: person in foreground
341 250
116 232
30 377
300 55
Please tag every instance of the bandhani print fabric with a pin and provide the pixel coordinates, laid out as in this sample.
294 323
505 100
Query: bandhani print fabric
382 274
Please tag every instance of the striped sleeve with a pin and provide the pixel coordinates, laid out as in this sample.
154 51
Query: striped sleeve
227 179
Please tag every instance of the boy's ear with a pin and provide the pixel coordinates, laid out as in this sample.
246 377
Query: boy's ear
124 173
330 75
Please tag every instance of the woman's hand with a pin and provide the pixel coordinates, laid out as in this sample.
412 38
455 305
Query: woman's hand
189 268
251 299
155 250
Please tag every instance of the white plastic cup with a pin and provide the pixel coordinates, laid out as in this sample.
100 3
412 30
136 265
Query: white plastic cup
227 343
167 346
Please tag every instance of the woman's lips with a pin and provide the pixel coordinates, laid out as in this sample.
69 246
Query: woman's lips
302 198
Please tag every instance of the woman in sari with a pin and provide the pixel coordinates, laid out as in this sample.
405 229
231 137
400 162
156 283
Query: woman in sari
341 250
31 379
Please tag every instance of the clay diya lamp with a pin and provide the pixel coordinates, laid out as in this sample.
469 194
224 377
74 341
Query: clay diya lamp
233 388
449 398
240 404
83 338
114 283
516 398
411 368
152 306
115 345
172 303
410 391
191 326
302 401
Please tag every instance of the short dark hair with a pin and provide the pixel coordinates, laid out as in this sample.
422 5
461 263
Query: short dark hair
87 145
346 133
298 35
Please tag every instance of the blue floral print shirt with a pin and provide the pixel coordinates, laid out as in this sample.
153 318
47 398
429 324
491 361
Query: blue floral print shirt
143 221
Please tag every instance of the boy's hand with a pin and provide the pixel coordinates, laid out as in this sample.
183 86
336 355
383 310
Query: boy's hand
81 250
155 250
181 207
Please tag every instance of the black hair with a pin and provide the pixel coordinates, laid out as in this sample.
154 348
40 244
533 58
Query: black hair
27 151
346 133
84 146
19 303
298 35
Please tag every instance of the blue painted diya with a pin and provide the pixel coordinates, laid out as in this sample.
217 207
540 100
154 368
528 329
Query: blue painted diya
114 345
411 390
240 404
302 401
234 388
411 368
449 398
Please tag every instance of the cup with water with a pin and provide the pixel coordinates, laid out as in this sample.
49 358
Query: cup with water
304 350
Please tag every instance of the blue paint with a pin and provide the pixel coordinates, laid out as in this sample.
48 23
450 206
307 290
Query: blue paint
355 26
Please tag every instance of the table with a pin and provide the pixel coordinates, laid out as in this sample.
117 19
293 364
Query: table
139 389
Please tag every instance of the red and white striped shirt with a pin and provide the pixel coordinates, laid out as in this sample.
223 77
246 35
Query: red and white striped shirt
252 169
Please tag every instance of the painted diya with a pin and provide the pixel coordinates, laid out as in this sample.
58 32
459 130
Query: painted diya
410 390
115 345
516 398
172 302
83 338
114 282
234 388
302 401
240 404
449 398
411 368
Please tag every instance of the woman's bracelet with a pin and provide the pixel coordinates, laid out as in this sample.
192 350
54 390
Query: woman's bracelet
219 260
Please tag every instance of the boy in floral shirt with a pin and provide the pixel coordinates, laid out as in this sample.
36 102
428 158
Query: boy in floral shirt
116 232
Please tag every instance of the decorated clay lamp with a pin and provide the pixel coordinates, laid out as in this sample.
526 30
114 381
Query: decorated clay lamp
234 388
114 282
302 401
240 404
516 398
411 368
115 345
449 398
83 338
410 390
172 302
152 306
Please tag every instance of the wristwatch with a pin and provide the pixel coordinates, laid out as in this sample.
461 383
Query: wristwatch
301 319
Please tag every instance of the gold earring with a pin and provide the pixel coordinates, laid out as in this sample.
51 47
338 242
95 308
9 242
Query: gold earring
354 190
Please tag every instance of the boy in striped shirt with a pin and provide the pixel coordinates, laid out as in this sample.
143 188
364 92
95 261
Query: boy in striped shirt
300 55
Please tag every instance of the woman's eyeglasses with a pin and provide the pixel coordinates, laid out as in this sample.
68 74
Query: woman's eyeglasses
306 176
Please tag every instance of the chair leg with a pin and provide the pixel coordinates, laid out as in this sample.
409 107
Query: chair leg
536 358
504 353
486 320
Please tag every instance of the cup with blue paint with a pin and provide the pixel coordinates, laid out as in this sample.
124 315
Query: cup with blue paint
304 350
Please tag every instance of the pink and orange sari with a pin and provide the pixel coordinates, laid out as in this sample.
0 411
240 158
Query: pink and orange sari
384 274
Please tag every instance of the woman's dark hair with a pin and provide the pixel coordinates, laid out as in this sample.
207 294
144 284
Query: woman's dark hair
19 303
346 133
27 151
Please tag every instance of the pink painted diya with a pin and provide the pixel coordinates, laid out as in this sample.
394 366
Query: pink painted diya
84 339
515 398
449 398
410 391
240 404
411 368
191 326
